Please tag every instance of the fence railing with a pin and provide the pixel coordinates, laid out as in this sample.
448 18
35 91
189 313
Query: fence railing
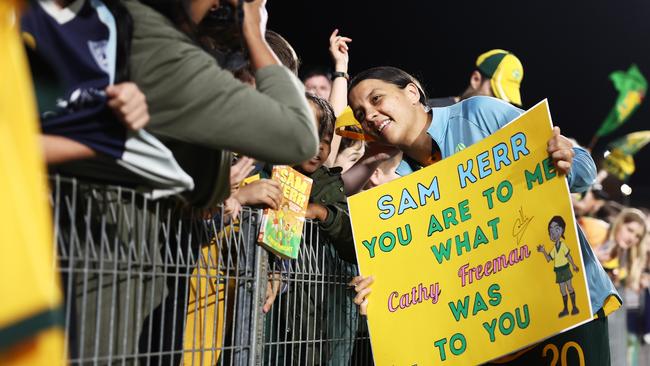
156 283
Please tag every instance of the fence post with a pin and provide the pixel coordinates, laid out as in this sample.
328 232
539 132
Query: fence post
259 293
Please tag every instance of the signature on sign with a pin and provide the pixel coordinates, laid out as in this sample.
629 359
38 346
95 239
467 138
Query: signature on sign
521 223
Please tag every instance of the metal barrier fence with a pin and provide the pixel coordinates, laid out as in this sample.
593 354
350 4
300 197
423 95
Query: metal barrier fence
155 283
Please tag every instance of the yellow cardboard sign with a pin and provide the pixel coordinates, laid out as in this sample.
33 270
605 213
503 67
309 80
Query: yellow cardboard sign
472 255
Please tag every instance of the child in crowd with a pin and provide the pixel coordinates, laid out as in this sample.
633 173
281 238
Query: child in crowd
328 207
350 151
385 172
327 201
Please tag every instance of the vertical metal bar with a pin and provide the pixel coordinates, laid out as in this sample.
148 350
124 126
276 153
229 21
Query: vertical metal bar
223 245
197 299
117 217
59 257
100 283
177 274
84 292
205 262
321 302
154 252
190 259
213 264
259 289
231 275
166 256
139 277
54 201
303 273
128 280
71 206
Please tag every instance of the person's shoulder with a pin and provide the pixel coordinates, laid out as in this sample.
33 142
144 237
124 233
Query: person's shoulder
441 102
478 103
487 112
149 23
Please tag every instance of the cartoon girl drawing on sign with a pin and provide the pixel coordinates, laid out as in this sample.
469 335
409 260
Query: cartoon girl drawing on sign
561 257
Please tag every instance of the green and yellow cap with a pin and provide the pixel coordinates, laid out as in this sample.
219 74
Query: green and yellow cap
505 72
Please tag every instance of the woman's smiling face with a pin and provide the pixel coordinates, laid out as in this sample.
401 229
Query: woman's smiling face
385 111
629 234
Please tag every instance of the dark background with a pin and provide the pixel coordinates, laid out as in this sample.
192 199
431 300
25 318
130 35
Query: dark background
568 49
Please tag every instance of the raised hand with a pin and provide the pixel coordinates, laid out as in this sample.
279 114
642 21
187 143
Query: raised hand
339 51
561 150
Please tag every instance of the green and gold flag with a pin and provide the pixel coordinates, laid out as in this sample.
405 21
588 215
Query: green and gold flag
620 161
631 86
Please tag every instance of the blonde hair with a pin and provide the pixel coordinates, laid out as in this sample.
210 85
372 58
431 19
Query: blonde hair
636 255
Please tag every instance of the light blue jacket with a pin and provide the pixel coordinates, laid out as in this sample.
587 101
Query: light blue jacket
460 125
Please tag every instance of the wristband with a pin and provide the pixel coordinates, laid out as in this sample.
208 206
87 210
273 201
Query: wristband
337 74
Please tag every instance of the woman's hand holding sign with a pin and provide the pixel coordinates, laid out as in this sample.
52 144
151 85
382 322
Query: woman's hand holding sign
561 150
362 287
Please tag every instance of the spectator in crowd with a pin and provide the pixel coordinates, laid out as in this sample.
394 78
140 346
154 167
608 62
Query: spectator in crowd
280 46
338 98
283 49
391 108
385 172
349 152
320 319
319 83
498 74
344 151
89 108
327 200
201 112
200 109
92 118
645 279
259 189
620 252
623 258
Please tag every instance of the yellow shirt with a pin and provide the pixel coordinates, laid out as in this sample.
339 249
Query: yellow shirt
31 302
560 255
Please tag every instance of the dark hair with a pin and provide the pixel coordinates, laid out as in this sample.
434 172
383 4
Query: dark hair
283 50
471 92
391 75
348 142
244 74
560 222
324 115
316 72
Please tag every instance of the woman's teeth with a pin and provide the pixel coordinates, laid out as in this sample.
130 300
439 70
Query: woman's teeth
383 125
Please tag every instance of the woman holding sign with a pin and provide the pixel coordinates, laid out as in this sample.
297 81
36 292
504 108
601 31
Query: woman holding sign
390 105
